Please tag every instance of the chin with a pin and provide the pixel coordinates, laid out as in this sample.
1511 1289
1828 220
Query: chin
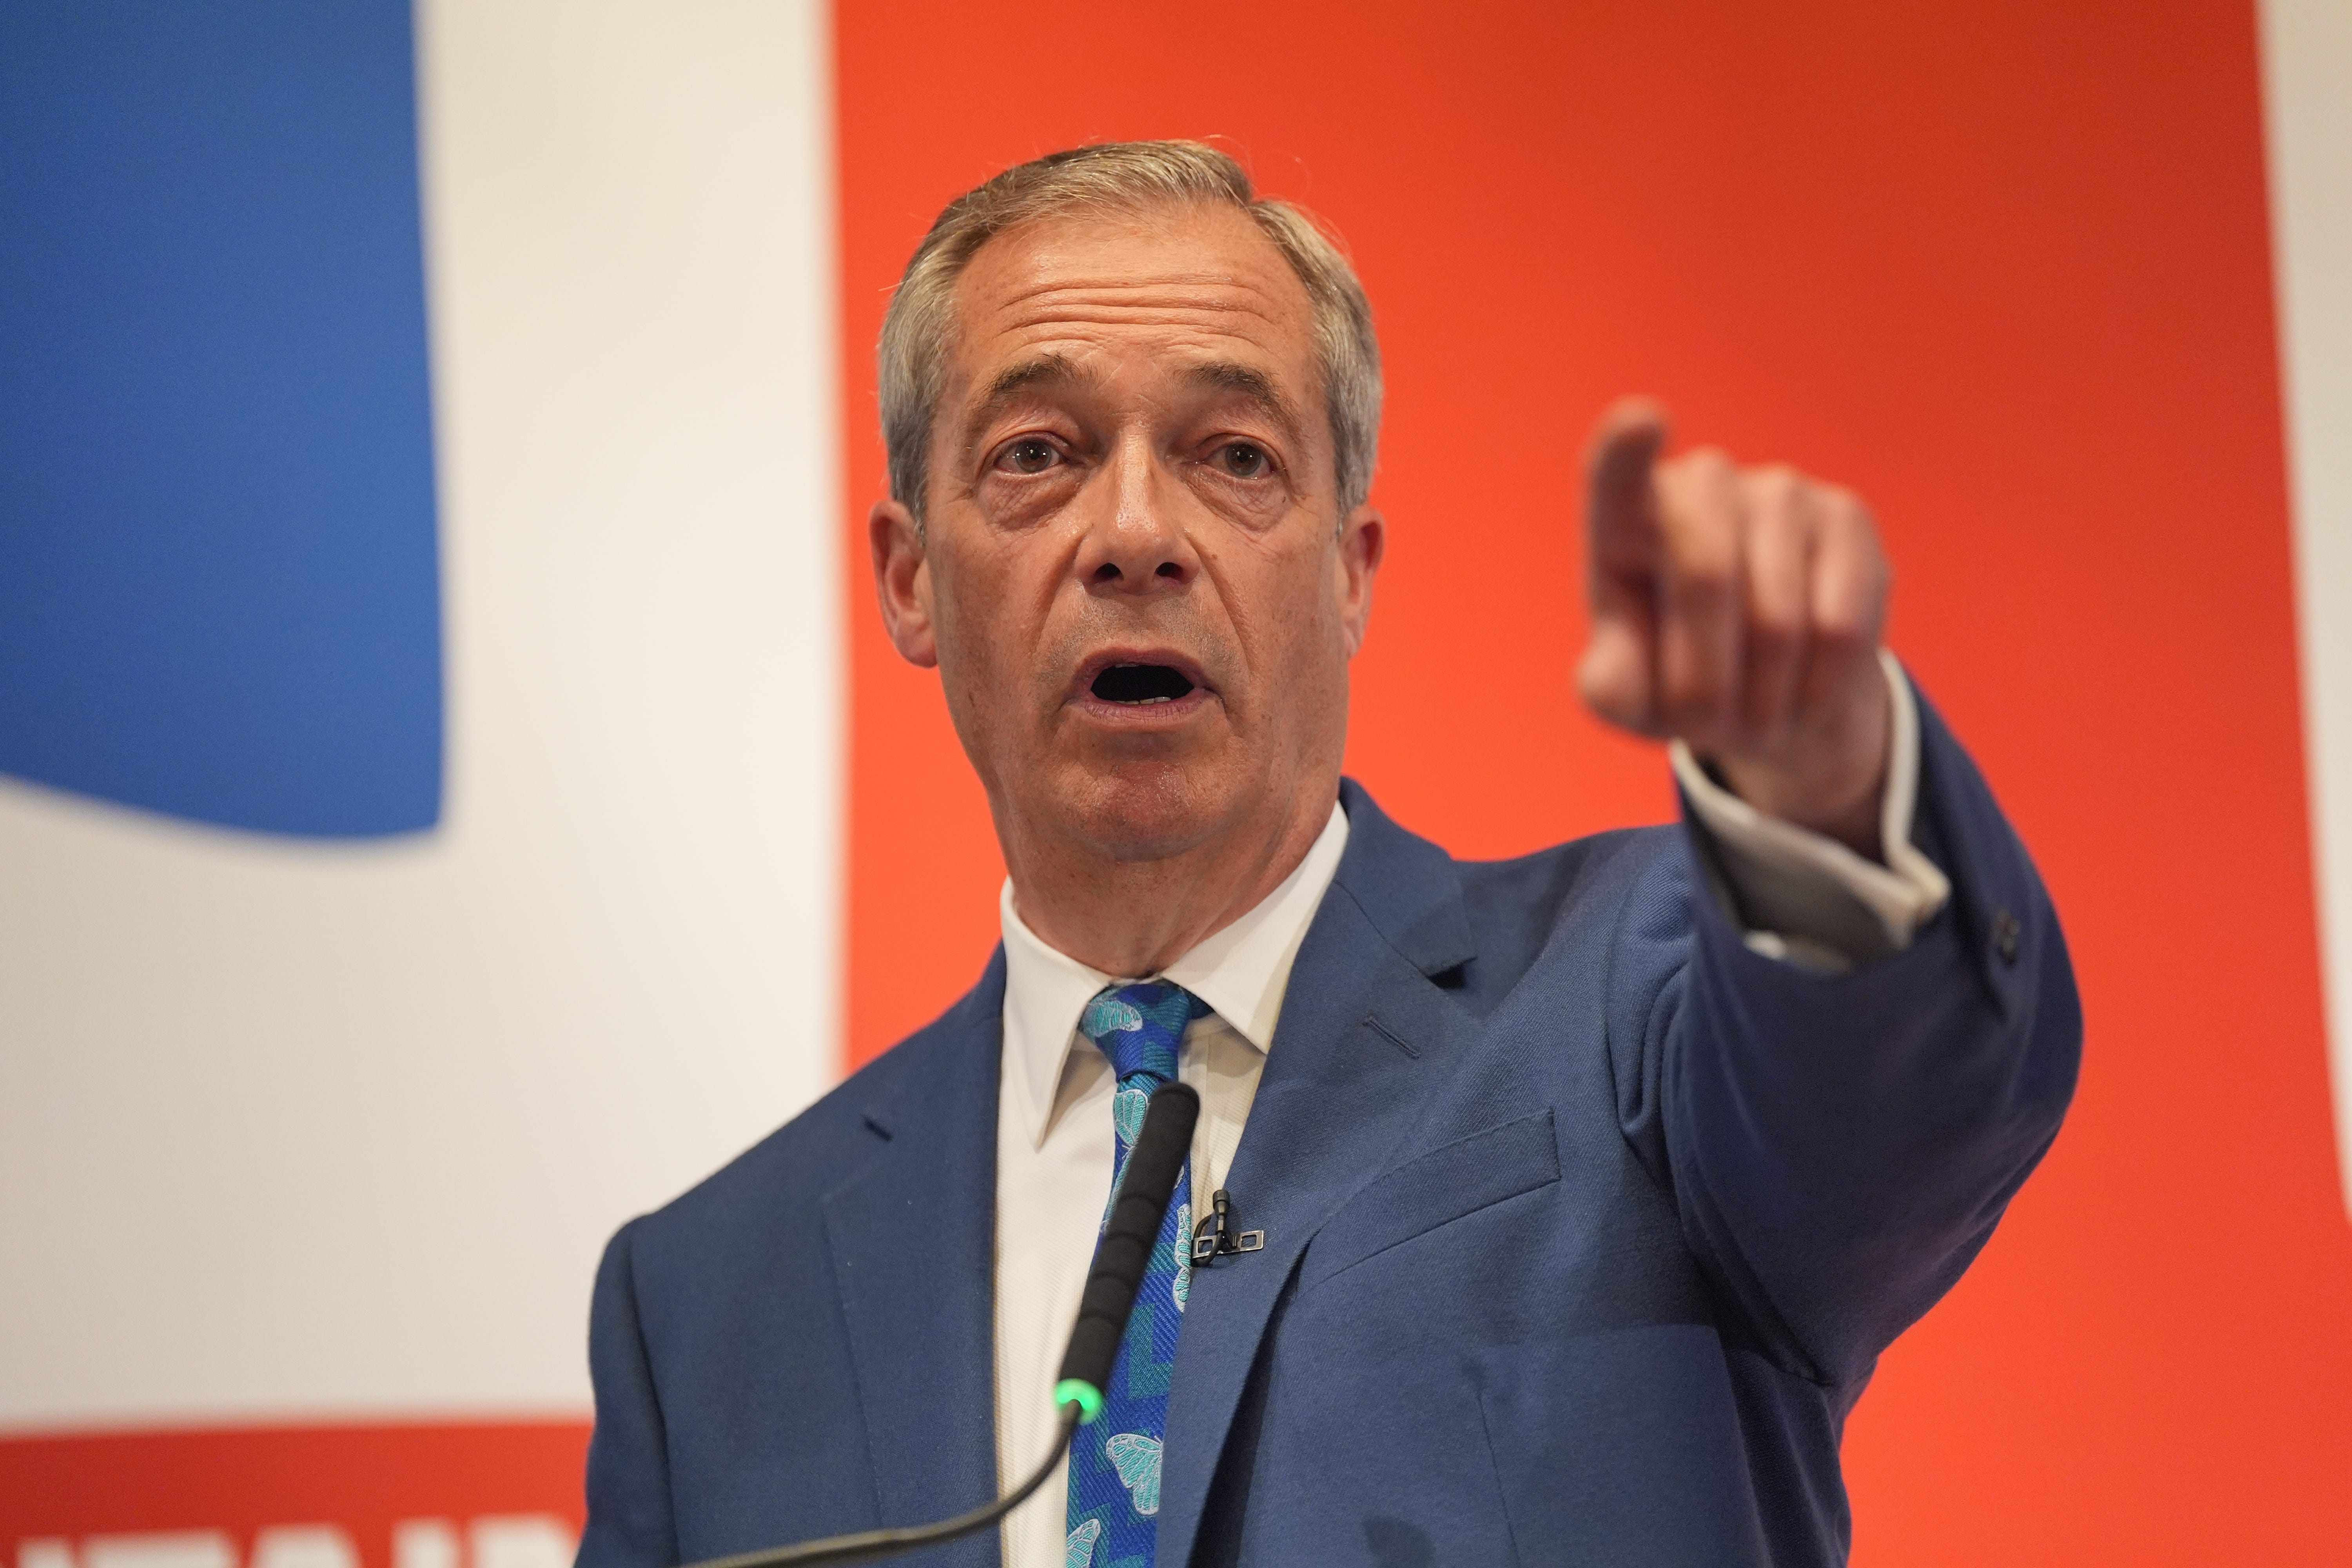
1148 811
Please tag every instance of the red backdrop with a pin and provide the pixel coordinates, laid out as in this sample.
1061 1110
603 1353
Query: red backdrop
2001 267
367 1480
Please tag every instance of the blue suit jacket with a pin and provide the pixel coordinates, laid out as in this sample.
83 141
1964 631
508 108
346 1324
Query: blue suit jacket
1584 1227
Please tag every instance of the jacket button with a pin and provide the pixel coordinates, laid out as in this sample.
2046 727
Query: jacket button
2005 932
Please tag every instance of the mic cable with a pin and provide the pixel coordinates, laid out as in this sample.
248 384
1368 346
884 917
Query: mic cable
1146 1187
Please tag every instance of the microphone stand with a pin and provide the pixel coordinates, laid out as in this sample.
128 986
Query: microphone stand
869 1544
1154 1163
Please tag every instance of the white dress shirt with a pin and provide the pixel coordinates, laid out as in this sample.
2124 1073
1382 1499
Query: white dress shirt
1803 897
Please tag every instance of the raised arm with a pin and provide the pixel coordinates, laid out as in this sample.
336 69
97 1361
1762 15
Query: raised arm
1845 1030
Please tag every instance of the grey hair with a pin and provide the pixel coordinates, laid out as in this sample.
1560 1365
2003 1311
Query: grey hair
1121 177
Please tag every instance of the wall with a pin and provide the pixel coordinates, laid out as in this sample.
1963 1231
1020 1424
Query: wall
2307 62
2006 270
309 1143
317 1108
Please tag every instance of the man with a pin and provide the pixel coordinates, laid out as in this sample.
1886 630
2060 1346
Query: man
1582 1192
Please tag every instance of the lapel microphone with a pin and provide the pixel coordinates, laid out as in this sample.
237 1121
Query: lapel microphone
1154 1162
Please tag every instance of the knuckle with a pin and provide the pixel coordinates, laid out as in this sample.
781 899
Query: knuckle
1773 639
1843 634
1701 586
1694 695
1775 488
1617 709
1846 512
1616 701
1677 485
1699 485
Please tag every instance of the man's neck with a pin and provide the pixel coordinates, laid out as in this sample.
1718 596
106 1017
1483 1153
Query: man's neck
1131 918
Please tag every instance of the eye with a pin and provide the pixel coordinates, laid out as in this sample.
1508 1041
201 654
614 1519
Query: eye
1028 455
1243 460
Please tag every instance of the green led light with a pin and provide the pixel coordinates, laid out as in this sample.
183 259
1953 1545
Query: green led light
1084 1394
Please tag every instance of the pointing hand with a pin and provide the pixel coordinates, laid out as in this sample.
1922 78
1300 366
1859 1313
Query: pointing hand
1739 610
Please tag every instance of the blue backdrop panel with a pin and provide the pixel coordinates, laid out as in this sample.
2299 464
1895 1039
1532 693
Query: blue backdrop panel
219 595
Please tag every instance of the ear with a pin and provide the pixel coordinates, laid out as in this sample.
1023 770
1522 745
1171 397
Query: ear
902 581
1363 539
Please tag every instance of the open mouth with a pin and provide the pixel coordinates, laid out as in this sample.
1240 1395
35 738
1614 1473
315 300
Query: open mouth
1139 685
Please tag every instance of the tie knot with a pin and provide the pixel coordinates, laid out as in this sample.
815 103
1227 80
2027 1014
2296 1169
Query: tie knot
1139 1028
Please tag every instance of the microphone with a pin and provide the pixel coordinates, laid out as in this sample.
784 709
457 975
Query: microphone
1123 1253
1146 1187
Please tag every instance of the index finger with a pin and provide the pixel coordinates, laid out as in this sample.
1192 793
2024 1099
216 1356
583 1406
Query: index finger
1620 499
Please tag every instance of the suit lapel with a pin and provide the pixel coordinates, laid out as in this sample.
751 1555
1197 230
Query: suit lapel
1363 1036
913 1241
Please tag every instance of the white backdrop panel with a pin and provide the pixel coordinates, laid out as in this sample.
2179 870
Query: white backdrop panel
290 1130
2307 88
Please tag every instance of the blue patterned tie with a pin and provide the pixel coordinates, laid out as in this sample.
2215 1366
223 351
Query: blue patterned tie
1115 1459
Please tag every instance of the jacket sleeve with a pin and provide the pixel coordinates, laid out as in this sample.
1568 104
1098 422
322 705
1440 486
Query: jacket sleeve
629 1520
1840 1146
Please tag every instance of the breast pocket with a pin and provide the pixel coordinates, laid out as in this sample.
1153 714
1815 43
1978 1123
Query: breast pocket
1435 1189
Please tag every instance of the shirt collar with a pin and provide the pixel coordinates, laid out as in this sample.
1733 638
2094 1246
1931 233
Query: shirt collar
1241 971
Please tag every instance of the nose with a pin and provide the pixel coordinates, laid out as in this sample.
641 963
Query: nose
1135 541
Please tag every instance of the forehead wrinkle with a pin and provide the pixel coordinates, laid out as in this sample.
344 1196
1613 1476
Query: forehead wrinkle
1223 312
1141 302
1239 324
1201 324
1233 318
1118 283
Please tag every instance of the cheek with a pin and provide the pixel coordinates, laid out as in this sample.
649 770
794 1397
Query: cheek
990 610
1255 506
972 629
1296 624
1025 502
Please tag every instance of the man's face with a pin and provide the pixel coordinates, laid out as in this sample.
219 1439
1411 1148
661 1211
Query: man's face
1134 580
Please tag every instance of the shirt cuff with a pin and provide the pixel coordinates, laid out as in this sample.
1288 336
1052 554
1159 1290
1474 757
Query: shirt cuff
1802 897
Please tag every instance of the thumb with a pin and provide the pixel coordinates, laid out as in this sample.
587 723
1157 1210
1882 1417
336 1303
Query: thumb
1615 675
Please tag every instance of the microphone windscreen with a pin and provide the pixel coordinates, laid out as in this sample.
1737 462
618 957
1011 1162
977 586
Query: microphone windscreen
1154 1163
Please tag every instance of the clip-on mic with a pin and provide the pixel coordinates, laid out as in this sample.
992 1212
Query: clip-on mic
1145 1189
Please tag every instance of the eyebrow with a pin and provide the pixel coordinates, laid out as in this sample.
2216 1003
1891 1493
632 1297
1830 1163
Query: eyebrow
1020 376
1013 380
1253 383
1223 375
